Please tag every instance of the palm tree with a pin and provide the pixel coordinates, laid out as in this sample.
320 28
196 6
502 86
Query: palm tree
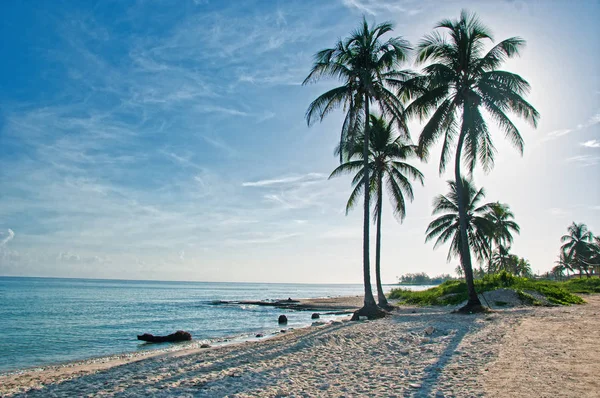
503 224
447 226
595 256
461 80
367 67
501 260
386 163
522 267
564 264
577 245
558 271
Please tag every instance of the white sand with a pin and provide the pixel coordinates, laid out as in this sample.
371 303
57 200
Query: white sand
464 356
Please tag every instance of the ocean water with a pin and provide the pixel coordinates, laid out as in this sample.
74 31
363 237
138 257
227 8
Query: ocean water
49 320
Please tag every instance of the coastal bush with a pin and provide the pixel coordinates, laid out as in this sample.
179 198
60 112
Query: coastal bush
455 292
584 285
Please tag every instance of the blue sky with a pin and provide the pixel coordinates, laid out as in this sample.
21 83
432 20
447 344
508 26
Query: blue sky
145 141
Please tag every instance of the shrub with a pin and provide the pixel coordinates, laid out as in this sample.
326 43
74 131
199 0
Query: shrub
455 292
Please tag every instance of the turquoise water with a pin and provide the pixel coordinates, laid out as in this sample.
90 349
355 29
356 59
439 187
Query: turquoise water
46 320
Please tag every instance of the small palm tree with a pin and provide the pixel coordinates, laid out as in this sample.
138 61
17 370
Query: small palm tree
564 264
501 260
461 80
447 227
503 224
368 68
386 163
577 244
522 267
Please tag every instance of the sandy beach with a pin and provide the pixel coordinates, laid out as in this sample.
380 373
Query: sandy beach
420 352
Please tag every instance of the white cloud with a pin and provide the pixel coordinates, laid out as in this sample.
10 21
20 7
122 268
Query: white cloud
591 144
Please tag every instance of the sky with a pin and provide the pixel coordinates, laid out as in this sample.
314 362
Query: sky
143 140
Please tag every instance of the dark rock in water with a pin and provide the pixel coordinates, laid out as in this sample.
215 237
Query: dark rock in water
179 335
315 316
260 335
282 330
205 345
282 319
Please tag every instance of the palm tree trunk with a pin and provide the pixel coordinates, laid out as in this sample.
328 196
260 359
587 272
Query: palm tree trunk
381 299
369 302
473 304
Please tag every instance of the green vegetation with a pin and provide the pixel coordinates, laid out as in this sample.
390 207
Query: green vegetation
388 153
587 285
455 292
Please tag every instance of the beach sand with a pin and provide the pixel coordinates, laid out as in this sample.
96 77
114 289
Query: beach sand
419 352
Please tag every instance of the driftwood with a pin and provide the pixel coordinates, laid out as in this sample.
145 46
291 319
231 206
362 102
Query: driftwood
179 335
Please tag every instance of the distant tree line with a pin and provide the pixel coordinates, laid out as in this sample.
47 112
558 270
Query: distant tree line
421 278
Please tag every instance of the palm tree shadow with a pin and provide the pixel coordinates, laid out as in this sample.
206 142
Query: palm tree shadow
432 372
119 376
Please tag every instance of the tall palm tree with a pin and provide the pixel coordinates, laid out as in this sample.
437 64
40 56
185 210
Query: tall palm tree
447 226
368 68
461 80
387 166
577 244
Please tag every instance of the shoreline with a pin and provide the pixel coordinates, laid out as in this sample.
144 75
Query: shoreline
340 305
416 351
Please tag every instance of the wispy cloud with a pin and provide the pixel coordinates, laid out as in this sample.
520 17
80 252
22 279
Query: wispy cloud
375 7
584 160
558 212
6 237
310 177
592 121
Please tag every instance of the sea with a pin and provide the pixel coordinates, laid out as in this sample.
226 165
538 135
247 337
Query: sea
46 321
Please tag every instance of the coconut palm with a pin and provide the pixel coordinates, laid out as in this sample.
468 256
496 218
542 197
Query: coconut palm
564 264
387 166
577 244
522 267
447 226
368 68
501 260
461 81
595 255
503 224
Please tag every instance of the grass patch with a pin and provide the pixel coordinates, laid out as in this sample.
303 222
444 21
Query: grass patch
455 292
